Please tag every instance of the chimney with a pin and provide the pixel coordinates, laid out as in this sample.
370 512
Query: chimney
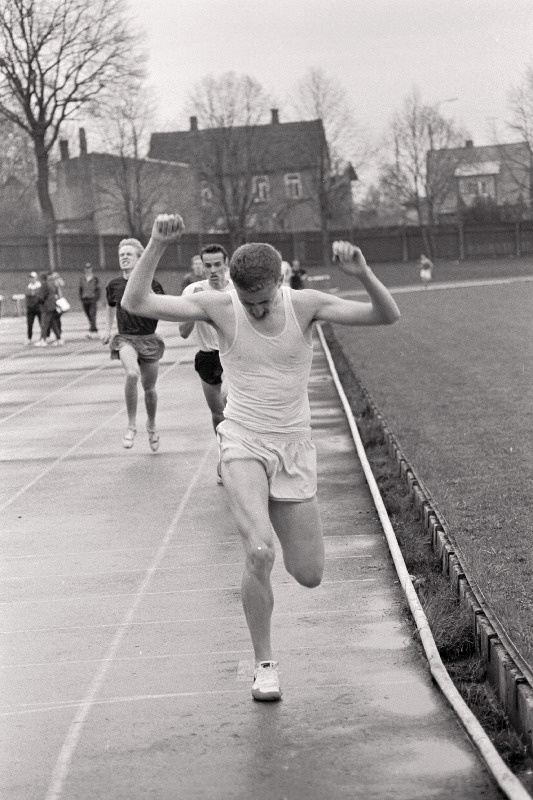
63 149
469 143
194 123
275 116
83 142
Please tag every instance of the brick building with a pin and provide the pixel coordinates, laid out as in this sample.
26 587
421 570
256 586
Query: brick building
99 193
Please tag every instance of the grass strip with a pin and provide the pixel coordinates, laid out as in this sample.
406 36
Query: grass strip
450 622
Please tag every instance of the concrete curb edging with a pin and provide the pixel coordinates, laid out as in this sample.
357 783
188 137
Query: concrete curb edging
507 672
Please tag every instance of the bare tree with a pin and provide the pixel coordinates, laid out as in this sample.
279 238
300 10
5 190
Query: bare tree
520 159
17 180
132 187
57 57
319 96
229 148
411 176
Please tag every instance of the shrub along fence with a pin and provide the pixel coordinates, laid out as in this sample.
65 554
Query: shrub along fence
380 245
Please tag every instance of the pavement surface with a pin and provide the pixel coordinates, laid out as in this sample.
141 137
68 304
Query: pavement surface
126 661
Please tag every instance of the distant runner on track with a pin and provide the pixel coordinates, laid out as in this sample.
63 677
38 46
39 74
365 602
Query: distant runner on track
268 458
137 345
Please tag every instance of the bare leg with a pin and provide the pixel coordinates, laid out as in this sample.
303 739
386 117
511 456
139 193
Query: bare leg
215 400
298 528
247 487
149 372
128 358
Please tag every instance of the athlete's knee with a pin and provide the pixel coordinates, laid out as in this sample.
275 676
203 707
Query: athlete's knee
132 374
260 558
309 576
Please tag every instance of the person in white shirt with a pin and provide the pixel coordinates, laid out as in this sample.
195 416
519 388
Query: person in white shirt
268 457
207 360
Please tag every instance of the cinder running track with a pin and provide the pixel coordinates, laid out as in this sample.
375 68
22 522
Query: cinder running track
126 661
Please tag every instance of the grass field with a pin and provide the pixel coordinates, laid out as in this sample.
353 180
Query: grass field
454 379
391 274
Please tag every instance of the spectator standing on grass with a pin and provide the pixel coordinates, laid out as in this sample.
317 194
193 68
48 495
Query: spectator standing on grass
298 275
33 309
196 272
136 344
267 455
50 317
426 270
89 291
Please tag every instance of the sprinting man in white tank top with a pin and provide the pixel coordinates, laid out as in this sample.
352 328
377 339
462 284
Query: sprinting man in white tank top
267 455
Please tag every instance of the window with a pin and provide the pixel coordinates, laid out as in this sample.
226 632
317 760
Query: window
260 189
293 186
478 187
206 195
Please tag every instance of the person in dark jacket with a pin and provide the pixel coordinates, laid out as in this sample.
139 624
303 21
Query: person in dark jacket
50 317
33 309
89 292
298 276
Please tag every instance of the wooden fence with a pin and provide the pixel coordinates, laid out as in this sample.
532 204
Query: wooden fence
380 245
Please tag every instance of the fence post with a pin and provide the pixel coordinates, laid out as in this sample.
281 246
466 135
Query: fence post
101 252
518 239
51 253
461 233
405 249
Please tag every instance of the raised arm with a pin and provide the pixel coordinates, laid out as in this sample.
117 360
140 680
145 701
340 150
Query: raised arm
138 297
381 310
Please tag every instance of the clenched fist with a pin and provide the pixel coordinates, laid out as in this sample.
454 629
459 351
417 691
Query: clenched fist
167 228
350 258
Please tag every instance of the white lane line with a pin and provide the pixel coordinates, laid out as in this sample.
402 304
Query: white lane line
439 286
106 550
62 766
29 371
213 693
190 565
44 472
52 394
231 588
173 621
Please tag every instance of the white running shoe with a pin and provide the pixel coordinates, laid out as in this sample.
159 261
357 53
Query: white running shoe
129 436
266 681
41 343
153 439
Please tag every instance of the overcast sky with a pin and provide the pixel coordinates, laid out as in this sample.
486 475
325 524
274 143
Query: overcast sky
473 50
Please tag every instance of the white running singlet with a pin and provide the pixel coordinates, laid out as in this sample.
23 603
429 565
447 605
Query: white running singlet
267 376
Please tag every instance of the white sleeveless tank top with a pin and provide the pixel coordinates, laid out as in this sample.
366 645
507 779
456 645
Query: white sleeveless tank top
267 376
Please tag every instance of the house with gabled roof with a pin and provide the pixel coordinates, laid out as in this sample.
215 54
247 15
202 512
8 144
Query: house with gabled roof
497 176
259 177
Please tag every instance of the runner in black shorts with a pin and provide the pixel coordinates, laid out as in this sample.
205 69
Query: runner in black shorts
207 362
137 346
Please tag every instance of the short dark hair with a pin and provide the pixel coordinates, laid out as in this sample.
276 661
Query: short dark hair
214 248
254 266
